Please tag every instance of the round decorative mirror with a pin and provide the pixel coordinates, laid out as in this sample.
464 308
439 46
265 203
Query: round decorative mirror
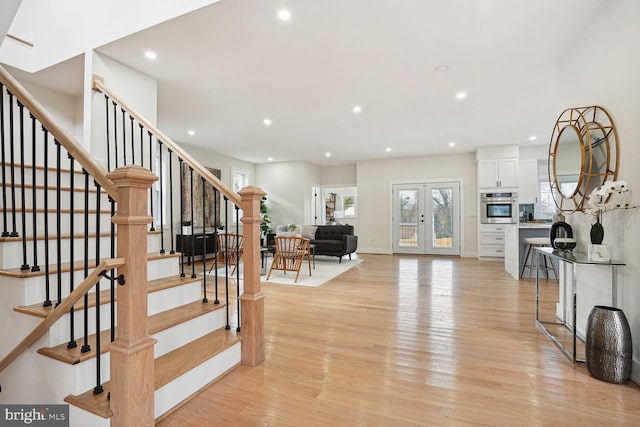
583 154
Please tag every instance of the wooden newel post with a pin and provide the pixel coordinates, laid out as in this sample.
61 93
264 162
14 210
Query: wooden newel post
132 373
252 299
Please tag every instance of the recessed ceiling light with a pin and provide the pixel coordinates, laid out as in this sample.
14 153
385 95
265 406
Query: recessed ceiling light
150 54
284 15
461 95
452 144
442 69
327 154
357 109
267 122
191 132
388 149
270 159
533 138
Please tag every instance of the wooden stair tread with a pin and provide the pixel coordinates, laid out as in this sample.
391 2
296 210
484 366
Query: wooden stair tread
66 266
156 323
39 310
167 368
64 236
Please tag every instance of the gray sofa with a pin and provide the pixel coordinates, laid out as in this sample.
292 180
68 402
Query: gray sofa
335 240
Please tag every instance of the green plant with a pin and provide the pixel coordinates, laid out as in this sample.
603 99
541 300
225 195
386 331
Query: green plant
265 224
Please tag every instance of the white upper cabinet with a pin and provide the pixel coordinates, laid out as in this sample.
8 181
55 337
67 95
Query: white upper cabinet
500 173
528 180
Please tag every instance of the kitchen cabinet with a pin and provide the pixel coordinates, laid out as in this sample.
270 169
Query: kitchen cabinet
491 240
499 173
528 181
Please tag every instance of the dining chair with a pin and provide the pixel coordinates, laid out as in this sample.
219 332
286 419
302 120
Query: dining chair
290 252
229 251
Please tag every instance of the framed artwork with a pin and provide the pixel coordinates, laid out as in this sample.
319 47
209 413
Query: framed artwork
200 211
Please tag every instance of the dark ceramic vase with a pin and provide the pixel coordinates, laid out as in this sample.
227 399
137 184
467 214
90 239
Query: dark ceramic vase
608 345
597 232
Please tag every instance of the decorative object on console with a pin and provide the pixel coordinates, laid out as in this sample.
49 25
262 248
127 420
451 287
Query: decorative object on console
612 195
565 244
560 230
609 351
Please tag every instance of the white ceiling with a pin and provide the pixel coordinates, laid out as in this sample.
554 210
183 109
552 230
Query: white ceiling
224 68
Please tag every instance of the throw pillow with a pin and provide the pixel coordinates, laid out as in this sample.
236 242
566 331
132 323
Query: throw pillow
308 231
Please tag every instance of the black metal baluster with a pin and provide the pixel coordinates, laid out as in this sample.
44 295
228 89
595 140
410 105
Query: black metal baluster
153 220
12 170
113 284
86 347
183 244
237 213
141 146
106 110
23 202
72 340
160 185
35 266
5 230
98 388
133 150
59 221
216 197
170 204
226 259
204 240
115 132
193 240
47 285
124 137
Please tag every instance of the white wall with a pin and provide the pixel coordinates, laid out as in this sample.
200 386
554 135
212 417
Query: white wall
338 176
601 68
375 178
288 187
62 30
137 90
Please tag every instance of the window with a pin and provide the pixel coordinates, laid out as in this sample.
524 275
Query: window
349 206
239 180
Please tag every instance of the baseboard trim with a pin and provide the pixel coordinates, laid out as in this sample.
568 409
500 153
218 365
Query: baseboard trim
635 372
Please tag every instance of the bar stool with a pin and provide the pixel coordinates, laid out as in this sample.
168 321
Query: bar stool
529 258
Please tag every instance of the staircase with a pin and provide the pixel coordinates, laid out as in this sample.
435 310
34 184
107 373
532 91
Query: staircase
148 335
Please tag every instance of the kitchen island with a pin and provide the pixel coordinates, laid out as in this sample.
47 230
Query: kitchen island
516 249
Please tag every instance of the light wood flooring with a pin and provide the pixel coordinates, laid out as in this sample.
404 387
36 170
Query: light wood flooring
410 341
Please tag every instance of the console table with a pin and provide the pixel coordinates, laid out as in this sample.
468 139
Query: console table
191 244
575 259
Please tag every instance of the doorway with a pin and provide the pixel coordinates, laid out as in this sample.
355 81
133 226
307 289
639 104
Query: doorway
426 218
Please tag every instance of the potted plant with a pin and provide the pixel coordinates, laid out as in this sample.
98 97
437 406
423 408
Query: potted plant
265 224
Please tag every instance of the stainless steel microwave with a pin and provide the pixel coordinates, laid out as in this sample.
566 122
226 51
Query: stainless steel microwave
499 208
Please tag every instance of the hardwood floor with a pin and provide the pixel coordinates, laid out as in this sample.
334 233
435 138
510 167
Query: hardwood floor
410 341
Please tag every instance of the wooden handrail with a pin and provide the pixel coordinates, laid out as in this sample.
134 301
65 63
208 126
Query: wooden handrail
94 169
61 309
19 39
201 170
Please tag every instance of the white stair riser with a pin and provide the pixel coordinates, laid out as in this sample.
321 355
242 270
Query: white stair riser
65 199
176 296
181 334
184 386
33 289
51 219
12 256
59 332
52 180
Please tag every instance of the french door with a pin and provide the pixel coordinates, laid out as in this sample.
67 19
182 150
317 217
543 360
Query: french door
426 218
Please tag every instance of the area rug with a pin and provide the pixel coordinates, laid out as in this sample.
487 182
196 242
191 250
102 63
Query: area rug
326 269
